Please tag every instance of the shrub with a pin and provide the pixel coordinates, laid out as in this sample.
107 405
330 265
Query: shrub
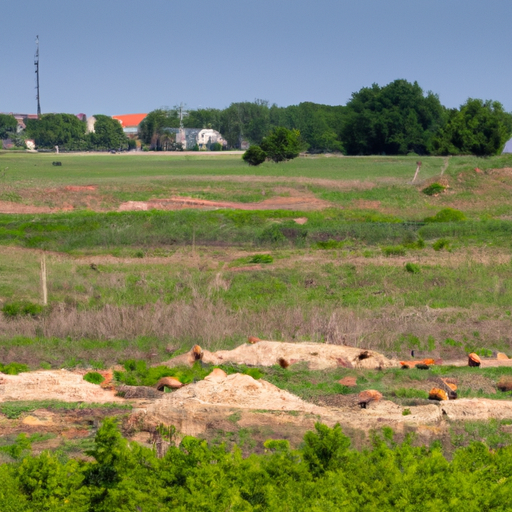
330 244
13 368
94 377
254 156
447 215
410 393
216 146
440 244
261 258
432 190
393 250
21 308
272 234
413 268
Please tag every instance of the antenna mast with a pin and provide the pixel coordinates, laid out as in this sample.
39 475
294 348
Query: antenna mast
36 64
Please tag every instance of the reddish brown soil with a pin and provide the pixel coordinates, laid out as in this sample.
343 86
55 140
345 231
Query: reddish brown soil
301 201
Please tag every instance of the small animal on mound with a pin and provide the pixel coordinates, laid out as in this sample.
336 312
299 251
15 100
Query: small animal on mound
283 363
365 398
252 339
197 352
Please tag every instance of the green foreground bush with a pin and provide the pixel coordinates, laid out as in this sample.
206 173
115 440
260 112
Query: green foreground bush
325 474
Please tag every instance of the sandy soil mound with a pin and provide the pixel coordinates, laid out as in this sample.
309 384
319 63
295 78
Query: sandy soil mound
470 409
237 390
52 385
319 356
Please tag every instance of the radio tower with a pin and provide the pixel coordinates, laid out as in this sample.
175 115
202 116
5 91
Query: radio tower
36 64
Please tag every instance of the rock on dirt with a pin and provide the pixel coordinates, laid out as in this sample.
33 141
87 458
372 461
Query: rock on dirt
318 356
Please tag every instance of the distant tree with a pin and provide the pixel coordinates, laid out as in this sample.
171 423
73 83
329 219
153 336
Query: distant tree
108 134
63 130
394 119
480 128
254 155
8 126
282 144
152 126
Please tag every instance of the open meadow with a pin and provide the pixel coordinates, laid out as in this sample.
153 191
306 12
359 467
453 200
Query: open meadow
149 254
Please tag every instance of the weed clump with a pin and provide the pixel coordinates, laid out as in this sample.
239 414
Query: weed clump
21 308
441 244
330 244
13 368
413 268
447 215
434 189
393 250
261 258
94 377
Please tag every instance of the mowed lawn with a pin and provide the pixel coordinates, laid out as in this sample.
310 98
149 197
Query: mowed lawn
37 169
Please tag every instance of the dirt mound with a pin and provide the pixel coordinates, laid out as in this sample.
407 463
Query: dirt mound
60 385
236 390
319 356
470 409
18 208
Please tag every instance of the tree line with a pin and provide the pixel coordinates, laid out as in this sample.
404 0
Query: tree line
324 474
396 119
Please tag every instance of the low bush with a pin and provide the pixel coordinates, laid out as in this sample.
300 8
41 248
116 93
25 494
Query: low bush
21 308
432 190
447 215
330 244
13 368
410 393
393 250
261 258
94 377
440 244
254 156
413 268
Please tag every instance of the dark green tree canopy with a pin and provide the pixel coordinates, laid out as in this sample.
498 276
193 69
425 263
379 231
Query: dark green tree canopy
8 126
152 126
63 130
108 134
394 119
283 144
480 128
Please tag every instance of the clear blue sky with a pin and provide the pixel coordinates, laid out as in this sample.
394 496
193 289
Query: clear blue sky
126 56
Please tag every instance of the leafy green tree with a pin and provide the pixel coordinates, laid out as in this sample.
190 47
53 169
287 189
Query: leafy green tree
8 126
63 130
254 155
108 134
152 127
394 119
326 449
480 128
282 144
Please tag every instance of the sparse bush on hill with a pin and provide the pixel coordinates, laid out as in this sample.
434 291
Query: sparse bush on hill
433 189
447 215
94 377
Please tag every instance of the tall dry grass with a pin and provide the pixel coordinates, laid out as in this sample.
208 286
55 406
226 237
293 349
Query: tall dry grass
214 326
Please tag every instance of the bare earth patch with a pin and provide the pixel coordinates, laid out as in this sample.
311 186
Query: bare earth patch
297 201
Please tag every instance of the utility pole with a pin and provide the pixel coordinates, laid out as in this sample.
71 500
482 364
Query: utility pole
36 64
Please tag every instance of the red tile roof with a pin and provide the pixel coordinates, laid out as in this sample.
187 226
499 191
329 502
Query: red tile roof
128 120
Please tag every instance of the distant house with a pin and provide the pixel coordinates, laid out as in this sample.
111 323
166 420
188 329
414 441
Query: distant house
202 137
508 147
130 123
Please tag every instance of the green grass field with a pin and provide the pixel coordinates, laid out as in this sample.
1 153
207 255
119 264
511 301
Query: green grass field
130 283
